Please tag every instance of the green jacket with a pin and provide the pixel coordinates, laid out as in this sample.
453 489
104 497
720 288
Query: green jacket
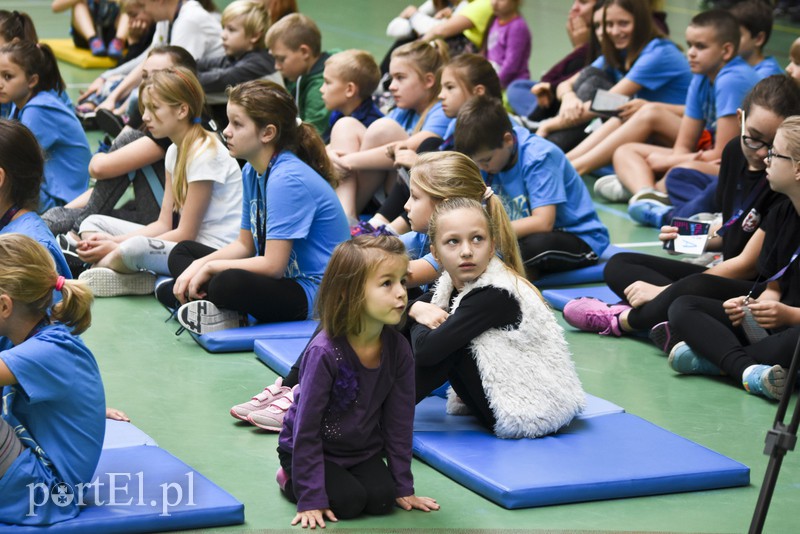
308 98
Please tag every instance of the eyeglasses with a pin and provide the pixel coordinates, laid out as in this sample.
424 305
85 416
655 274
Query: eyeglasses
753 143
772 154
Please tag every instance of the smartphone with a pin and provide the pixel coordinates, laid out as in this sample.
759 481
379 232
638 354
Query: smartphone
687 227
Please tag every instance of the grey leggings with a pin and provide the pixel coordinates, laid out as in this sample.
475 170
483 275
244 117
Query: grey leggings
10 446
106 194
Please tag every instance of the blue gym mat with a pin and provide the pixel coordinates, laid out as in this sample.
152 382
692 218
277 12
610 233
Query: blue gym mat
120 434
558 298
279 354
242 339
168 495
605 457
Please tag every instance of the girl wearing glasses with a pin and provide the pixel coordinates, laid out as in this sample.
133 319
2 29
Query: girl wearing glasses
648 284
751 337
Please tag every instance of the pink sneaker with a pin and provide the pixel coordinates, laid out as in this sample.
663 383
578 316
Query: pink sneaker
260 401
592 315
271 417
281 478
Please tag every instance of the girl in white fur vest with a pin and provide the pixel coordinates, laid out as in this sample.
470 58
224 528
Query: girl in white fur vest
487 330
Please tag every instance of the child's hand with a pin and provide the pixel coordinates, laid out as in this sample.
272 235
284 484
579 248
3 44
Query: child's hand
96 247
117 415
312 518
668 233
578 31
94 89
770 313
412 502
404 157
630 107
428 314
733 308
544 94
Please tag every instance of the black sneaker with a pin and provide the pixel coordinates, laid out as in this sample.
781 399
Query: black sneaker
108 122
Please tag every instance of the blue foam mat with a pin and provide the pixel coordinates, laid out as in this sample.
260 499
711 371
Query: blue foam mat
242 339
605 457
558 298
279 354
586 275
210 505
431 415
120 434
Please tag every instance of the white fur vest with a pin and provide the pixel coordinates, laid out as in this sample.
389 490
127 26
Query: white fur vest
527 372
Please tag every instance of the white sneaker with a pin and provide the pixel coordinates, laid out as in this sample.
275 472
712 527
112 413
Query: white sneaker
271 417
653 194
202 317
106 282
610 188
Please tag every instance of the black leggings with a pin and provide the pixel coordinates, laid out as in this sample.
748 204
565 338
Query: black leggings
683 279
554 252
364 488
462 371
703 324
269 300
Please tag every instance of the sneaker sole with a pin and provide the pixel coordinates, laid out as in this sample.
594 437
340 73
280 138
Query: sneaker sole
203 317
107 283
661 336
240 417
778 374
262 426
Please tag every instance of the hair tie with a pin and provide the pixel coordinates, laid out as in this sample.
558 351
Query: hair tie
488 193
60 283
197 120
299 122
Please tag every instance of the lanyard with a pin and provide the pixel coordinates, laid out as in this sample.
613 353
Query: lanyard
774 276
7 216
259 230
749 201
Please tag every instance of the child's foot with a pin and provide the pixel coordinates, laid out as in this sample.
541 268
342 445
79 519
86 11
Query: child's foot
683 360
260 401
765 380
106 282
592 315
109 122
97 46
611 189
281 478
663 337
271 417
650 213
202 317
116 48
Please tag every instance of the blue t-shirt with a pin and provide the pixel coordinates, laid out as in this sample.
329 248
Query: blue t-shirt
767 67
300 207
436 121
708 101
34 227
418 247
542 176
661 69
67 153
59 400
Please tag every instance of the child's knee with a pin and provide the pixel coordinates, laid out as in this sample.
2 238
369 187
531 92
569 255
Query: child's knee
132 251
348 502
383 131
380 500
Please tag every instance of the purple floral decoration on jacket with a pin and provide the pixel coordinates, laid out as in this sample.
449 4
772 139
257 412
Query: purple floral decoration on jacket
345 389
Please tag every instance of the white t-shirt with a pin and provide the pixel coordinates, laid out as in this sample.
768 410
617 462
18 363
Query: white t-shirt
196 30
220 224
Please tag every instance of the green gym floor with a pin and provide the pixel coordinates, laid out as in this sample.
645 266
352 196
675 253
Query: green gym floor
180 395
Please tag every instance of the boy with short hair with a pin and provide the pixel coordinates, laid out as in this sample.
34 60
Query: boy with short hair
349 79
755 26
549 206
296 44
244 25
720 81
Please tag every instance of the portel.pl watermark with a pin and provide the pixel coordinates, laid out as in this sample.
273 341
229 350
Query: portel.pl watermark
115 489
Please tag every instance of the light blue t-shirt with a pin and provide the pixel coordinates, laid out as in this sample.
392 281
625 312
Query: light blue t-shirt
67 153
436 121
768 66
707 102
661 69
418 247
542 176
34 227
59 400
300 207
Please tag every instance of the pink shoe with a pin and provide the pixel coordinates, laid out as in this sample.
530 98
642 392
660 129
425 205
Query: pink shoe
281 478
271 417
260 401
592 315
